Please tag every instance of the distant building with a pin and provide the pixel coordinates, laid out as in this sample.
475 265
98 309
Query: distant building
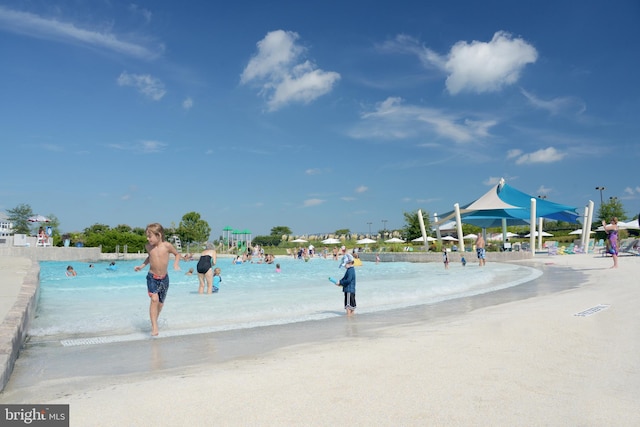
6 227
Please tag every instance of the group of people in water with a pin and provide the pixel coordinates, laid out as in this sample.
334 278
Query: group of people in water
71 272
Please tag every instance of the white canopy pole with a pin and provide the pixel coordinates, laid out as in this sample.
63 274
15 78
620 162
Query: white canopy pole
459 224
584 239
504 231
423 231
532 222
540 233
589 220
438 235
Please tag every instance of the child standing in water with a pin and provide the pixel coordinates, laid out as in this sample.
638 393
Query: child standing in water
445 258
348 283
217 279
158 278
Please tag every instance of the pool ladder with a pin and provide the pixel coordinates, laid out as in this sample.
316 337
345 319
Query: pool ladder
121 255
177 242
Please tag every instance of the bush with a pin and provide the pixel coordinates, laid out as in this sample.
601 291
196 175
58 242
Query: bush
110 239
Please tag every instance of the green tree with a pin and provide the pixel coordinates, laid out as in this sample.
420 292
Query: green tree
342 231
193 229
123 228
110 239
411 229
266 240
610 209
139 231
280 230
96 228
19 216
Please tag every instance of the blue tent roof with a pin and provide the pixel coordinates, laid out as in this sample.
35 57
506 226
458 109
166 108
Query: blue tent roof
544 208
506 202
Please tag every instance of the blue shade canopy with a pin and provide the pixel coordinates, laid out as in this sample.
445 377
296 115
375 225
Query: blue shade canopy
544 208
506 202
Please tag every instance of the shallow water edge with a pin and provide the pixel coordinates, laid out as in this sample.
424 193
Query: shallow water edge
44 368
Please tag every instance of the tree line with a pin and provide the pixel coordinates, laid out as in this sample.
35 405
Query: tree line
193 230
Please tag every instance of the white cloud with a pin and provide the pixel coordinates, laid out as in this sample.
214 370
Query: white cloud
631 191
146 84
558 105
283 76
361 189
487 67
145 146
514 153
473 67
543 191
492 180
545 155
52 147
151 146
313 202
145 13
187 104
30 25
313 172
391 119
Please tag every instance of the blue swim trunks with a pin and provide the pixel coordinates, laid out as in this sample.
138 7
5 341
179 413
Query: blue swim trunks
158 285
480 253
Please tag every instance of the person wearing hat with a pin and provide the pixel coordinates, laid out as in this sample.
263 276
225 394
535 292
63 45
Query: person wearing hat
348 283
346 258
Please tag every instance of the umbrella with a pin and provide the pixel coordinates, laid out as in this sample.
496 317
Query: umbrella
450 238
420 239
498 236
365 241
299 241
38 218
544 234
331 241
394 240
470 236
631 225
579 231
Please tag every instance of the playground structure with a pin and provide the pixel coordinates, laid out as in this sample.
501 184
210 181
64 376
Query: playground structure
235 241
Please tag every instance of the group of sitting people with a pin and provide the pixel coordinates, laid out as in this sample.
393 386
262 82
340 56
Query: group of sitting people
254 256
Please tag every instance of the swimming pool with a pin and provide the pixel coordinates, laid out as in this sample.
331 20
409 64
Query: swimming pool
100 305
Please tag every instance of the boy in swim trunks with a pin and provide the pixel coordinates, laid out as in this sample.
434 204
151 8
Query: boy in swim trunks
158 278
480 251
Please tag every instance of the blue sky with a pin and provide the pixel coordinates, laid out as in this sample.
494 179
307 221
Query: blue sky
316 116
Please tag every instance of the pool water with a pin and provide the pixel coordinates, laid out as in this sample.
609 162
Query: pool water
100 305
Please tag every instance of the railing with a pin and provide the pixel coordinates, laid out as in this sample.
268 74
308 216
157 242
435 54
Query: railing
121 255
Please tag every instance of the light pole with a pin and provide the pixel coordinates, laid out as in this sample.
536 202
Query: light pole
601 189
369 223
384 227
